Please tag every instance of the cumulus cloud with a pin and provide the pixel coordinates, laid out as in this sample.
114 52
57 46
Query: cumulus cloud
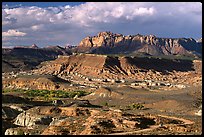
6 20
70 24
13 33
82 15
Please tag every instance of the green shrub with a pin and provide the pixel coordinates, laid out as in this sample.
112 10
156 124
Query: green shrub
136 106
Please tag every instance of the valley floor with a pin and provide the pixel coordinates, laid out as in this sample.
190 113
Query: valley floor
118 109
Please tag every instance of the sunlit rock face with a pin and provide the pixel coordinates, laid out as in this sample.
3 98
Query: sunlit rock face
108 42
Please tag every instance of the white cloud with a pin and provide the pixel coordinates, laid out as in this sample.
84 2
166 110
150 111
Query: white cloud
37 27
66 24
82 15
6 20
144 11
109 12
13 33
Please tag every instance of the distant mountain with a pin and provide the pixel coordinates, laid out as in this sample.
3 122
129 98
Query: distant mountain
34 46
110 43
28 57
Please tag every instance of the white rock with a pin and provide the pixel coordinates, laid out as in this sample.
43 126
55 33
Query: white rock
199 113
27 119
14 131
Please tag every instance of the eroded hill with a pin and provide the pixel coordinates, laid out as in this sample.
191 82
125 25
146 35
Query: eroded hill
103 66
28 57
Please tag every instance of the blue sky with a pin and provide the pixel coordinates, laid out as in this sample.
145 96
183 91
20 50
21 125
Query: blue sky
67 23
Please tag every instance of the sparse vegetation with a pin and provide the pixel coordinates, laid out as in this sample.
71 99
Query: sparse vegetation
13 90
136 106
49 93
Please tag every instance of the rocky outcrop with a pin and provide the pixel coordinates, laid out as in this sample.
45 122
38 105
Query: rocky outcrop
109 43
29 119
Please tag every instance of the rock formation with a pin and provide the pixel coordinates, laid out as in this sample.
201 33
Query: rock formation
109 43
104 66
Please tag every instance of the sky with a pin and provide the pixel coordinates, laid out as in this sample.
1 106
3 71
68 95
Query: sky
67 23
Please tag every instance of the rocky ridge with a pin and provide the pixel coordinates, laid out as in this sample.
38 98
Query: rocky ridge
110 43
28 57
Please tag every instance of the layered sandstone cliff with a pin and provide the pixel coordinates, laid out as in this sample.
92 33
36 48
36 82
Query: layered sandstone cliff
108 42
105 66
